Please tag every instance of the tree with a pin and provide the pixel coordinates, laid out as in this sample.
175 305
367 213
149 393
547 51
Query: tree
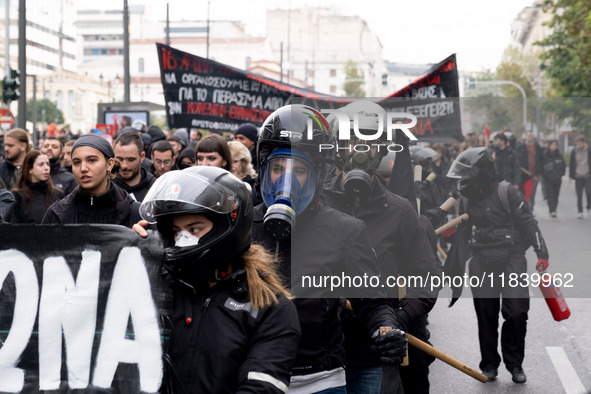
567 57
356 80
51 111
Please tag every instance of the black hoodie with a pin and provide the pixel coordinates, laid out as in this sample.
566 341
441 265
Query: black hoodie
139 191
62 178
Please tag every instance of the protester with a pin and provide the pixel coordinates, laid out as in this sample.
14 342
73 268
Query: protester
553 169
156 134
162 158
16 147
35 191
213 151
580 171
402 248
67 157
96 199
183 137
531 158
427 191
62 179
139 126
291 175
195 137
247 134
231 314
500 227
186 158
176 145
132 176
241 164
439 166
506 161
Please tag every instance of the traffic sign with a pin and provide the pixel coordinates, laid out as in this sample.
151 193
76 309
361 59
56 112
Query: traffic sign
6 119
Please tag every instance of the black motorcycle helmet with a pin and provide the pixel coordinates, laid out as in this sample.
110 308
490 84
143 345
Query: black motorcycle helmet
421 155
214 193
476 171
287 127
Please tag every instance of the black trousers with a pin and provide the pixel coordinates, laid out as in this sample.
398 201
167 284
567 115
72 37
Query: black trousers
415 376
552 190
580 184
512 300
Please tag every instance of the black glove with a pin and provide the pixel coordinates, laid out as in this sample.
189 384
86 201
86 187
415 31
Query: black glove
436 216
420 189
391 346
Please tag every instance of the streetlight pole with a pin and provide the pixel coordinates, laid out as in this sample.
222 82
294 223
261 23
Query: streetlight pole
512 84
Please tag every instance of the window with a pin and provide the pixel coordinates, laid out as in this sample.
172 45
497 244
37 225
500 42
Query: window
333 89
71 103
333 72
140 65
59 100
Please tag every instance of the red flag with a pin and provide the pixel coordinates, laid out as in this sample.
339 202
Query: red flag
487 132
527 188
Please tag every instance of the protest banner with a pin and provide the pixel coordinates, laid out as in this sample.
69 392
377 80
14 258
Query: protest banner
80 308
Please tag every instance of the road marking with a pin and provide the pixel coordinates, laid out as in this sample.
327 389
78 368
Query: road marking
567 374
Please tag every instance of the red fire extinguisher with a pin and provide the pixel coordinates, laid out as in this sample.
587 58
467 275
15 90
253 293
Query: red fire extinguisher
554 298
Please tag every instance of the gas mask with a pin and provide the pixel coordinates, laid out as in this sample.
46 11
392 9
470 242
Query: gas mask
360 167
288 185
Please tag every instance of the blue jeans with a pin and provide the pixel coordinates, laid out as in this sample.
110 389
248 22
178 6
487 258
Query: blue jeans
365 381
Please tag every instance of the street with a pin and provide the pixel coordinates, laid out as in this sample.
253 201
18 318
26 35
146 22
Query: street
557 356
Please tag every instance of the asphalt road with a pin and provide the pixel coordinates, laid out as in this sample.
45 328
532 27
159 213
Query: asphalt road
557 354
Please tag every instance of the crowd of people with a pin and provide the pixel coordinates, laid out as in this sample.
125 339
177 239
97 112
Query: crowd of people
242 221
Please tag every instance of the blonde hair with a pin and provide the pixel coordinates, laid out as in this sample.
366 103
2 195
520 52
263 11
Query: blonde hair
241 152
264 282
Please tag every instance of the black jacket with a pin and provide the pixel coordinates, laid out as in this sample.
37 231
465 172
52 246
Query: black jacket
444 184
229 347
62 178
112 207
324 241
6 205
554 166
402 248
7 173
508 166
139 191
488 214
521 150
22 213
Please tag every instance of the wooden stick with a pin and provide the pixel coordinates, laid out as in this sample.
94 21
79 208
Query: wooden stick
441 252
425 347
414 341
418 177
447 204
452 223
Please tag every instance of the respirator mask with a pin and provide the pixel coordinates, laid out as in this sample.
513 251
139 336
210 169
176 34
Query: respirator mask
288 185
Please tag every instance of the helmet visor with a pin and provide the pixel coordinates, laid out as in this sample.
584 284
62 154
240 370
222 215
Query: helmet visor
460 170
179 192
288 178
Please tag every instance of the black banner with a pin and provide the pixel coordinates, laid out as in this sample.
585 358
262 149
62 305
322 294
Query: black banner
80 308
434 100
205 94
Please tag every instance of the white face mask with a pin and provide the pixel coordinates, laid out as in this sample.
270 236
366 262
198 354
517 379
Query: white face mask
185 238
